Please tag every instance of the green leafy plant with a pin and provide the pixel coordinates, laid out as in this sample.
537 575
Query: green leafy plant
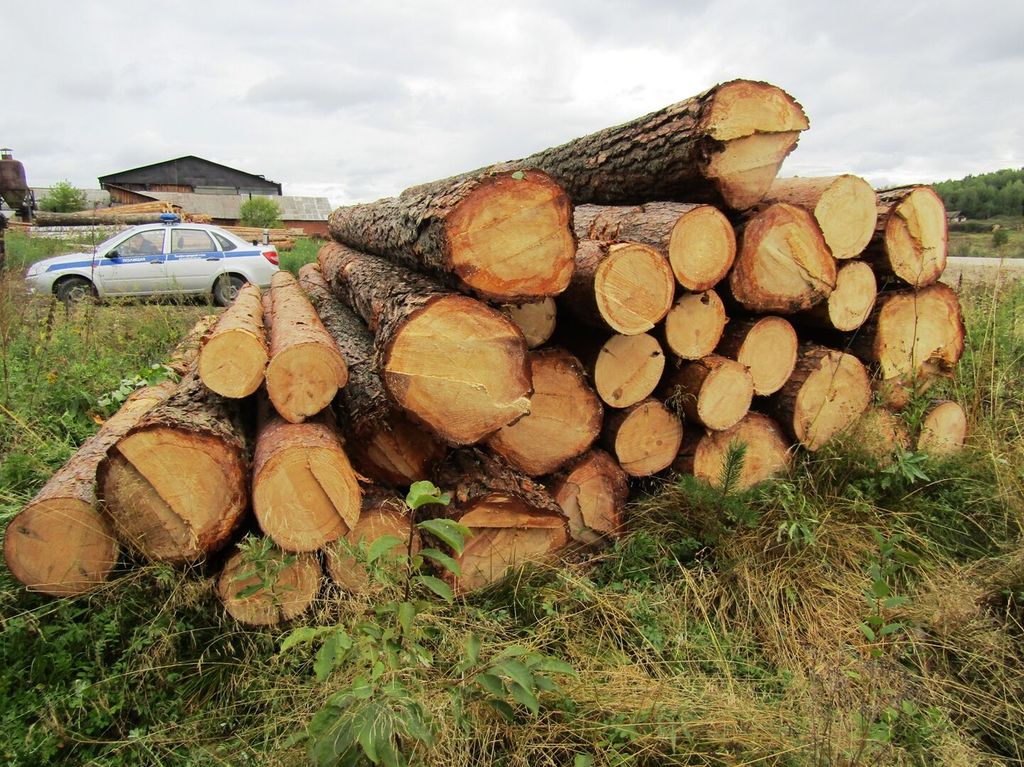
260 211
891 558
263 562
63 198
154 374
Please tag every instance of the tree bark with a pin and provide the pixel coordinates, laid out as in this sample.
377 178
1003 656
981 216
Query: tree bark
536 319
944 429
850 304
909 243
765 452
644 438
305 369
282 586
234 356
766 346
694 325
698 240
503 236
186 352
715 392
454 364
592 492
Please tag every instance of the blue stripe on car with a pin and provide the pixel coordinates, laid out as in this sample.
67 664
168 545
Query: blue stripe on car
142 259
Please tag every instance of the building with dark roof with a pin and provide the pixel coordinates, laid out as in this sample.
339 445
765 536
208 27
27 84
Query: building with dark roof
187 175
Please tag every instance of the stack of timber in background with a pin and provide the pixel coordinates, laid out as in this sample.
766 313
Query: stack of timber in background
531 336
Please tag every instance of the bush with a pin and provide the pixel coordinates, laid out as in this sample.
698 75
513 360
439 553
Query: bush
1000 237
260 211
63 198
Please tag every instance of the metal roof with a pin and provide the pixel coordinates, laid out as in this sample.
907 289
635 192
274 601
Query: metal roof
112 177
227 205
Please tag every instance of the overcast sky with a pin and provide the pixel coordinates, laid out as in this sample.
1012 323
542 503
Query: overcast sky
357 100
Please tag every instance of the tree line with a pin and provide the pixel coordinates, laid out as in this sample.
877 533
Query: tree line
988 194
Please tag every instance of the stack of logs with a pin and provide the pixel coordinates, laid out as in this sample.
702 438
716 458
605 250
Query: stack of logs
700 303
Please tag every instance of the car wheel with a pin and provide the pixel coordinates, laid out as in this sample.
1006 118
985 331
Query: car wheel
74 290
225 290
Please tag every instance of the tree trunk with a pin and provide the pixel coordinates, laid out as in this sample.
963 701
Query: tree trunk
304 491
724 145
511 519
592 492
186 352
454 364
843 206
944 429
694 326
234 356
627 369
269 590
305 369
624 286
381 442
175 485
60 544
850 304
536 319
766 346
698 241
765 452
827 392
909 243
644 438
715 392
564 418
784 265
503 236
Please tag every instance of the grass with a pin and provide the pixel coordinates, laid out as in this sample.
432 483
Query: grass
976 238
722 630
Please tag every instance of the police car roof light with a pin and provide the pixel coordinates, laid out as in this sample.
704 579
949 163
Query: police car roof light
169 218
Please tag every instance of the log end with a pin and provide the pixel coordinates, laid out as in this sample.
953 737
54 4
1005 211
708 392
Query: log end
628 369
536 319
304 378
645 438
915 238
633 288
832 397
766 452
725 395
944 430
877 435
918 335
396 454
289 587
745 107
593 494
847 214
850 304
769 352
232 363
702 248
694 325
383 514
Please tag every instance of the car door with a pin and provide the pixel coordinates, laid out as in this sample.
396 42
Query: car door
193 261
135 266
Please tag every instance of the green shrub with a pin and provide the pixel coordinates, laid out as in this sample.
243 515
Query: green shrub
1000 237
63 198
260 211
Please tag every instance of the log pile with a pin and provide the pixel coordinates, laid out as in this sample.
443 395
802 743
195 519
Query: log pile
531 336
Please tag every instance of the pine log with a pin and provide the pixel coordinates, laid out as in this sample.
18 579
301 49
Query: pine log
850 304
187 350
453 363
175 485
783 265
909 244
724 145
644 438
511 519
383 513
827 392
304 491
698 240
504 236
380 441
625 286
715 392
592 492
694 325
234 356
305 369
563 422
766 452
60 544
766 346
944 429
269 591
843 206
536 319
877 435
627 369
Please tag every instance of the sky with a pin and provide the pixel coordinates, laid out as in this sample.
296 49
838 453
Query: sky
358 100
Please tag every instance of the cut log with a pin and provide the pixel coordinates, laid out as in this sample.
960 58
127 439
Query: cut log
909 244
504 236
304 491
563 422
454 364
698 240
694 326
536 319
877 435
512 520
944 430
234 356
715 392
624 286
784 265
843 206
187 351
766 452
271 590
644 438
60 544
306 369
850 304
592 493
725 145
176 484
381 442
383 513
627 369
827 392
766 346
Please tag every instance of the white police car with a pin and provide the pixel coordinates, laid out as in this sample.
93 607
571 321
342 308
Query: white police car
169 258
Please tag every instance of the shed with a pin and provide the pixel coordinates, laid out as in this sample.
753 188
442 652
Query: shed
188 174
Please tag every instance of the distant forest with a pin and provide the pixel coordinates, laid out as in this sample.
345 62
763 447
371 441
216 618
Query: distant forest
989 194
